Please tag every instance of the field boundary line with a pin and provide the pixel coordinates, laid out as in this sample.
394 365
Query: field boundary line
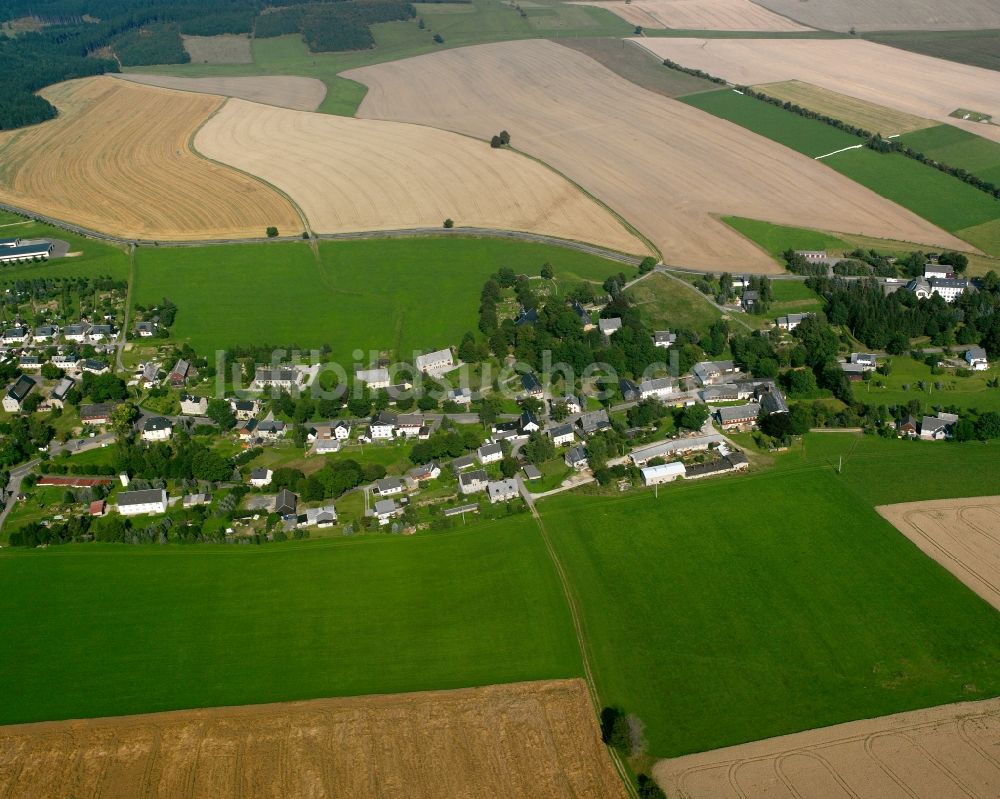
578 625
191 146
841 150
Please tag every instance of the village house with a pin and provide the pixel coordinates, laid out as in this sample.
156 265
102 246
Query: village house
18 391
57 398
853 371
77 332
527 423
460 396
937 428
628 389
45 333
770 398
16 335
532 387
664 339
29 362
157 428
738 416
100 332
658 388
711 372
733 462
281 377
95 367
248 430
67 361
727 392
593 421
98 507
271 429
790 322
562 435
949 289
146 501
501 490
864 359
576 458
386 510
179 374
382 427
98 414
409 424
327 445
525 316
425 472
573 404
146 329
531 472
437 361
610 326
285 504
663 473
583 315
322 517
976 358
937 270
389 486
373 378
463 462
193 406
490 453
908 427
260 477
472 482
243 409
750 301
194 500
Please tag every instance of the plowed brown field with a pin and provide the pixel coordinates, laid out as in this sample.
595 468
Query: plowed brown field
537 740
880 15
948 752
664 166
698 15
287 91
358 174
117 160
963 535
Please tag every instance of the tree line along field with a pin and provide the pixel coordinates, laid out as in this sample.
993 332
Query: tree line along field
117 160
789 605
147 629
381 294
941 199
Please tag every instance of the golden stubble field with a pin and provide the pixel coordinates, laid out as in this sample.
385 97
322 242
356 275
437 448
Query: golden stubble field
916 84
357 174
699 15
885 15
666 167
947 752
533 740
963 535
117 160
286 91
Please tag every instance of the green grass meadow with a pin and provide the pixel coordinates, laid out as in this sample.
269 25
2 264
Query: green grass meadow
970 392
939 198
665 303
95 259
959 148
775 239
762 605
382 294
109 630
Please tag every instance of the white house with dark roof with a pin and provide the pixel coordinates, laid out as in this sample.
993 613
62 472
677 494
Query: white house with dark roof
710 372
531 385
16 335
17 393
610 326
409 424
462 396
30 362
976 358
663 473
45 333
664 339
95 367
472 482
865 360
244 409
281 377
100 332
790 322
148 501
389 486
576 458
386 510
25 253
157 428
594 421
373 378
271 429
193 406
562 435
658 388
490 453
260 477
437 361
937 428
737 416
325 516
77 332
501 490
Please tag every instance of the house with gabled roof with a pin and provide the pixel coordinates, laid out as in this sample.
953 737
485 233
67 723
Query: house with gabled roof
17 392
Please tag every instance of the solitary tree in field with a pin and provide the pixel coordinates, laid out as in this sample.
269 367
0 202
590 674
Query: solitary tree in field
272 232
547 271
449 223
504 138
438 38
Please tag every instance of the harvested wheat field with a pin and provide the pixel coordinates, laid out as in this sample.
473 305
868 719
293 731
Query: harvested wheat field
941 753
698 15
664 166
537 740
116 159
286 91
354 174
879 15
963 535
915 84
875 118
226 48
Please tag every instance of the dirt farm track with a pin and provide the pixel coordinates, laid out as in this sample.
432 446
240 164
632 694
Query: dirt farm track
949 752
534 740
963 535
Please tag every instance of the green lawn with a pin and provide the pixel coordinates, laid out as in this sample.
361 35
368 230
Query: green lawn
778 238
958 148
666 303
779 601
384 295
807 136
95 259
107 630
937 197
459 25
792 296
961 392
